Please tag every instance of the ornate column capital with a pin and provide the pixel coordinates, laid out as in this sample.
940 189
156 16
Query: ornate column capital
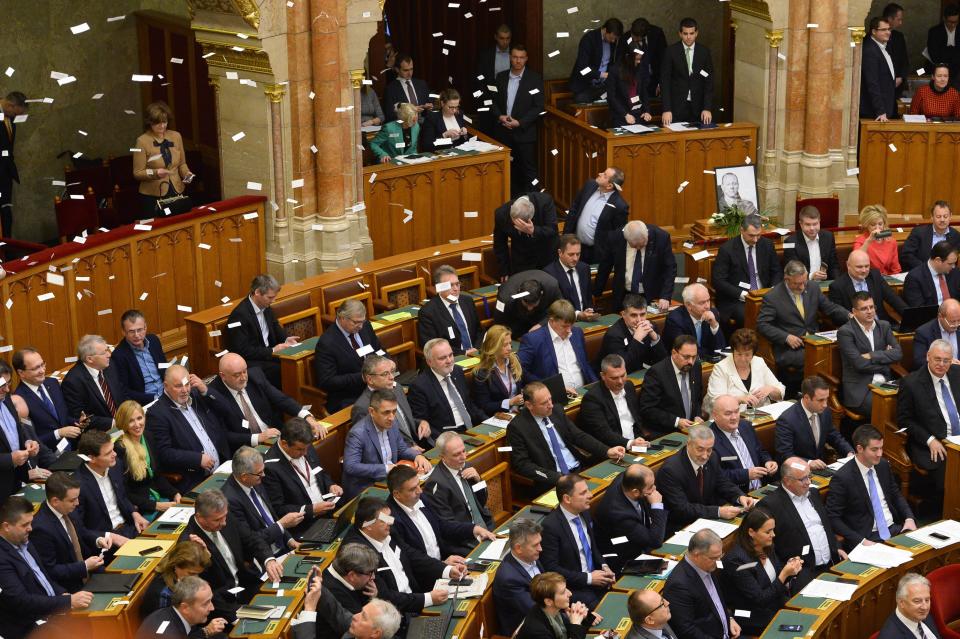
274 92
774 37
214 81
356 77
857 34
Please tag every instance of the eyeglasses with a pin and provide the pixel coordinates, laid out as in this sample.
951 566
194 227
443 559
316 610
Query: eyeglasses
802 480
663 604
393 373
261 475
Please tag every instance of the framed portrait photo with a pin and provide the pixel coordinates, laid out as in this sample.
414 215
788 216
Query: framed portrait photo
737 186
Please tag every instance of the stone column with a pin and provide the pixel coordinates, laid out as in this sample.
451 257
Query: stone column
774 37
214 81
360 209
857 34
274 93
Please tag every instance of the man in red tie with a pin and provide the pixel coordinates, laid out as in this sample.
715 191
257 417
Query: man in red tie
936 280
92 387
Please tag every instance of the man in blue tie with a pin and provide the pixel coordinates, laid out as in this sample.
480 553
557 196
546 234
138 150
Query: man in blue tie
27 593
48 409
694 592
570 546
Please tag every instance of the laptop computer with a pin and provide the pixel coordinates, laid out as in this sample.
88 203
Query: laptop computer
434 627
324 531
558 390
915 316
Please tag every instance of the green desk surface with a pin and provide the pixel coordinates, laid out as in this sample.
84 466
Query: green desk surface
295 567
157 528
130 564
613 609
608 470
247 627
856 569
667 450
670 550
903 541
629 583
638 375
799 601
485 291
603 320
486 430
470 444
505 528
763 491
305 346
790 617
406 311
103 601
463 605
34 493
210 483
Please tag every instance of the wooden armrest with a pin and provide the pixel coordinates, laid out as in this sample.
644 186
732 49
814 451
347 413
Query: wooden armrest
327 320
380 305
899 370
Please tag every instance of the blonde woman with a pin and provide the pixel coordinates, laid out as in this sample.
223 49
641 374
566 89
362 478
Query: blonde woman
160 161
397 137
882 250
185 559
497 379
147 489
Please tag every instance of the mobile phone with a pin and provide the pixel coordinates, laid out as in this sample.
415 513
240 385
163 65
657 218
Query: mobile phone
671 442
150 551
168 525
610 634
652 447
479 563
463 582
314 572
883 234
540 510
939 536
786 627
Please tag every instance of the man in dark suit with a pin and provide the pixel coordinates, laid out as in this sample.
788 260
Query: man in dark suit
28 593
557 348
686 79
599 50
511 586
939 38
934 281
573 276
813 246
864 502
191 602
802 522
570 546
137 359
861 277
349 580
630 519
806 427
48 408
673 389
867 350
379 372
745 263
633 337
650 39
339 354
923 237
250 505
742 458
405 88
103 496
238 555
253 331
451 315
695 594
187 435
897 48
944 326
524 233
642 261
523 300
598 213
878 85
295 479
911 618
650 615
490 63
14 105
788 312
454 490
610 410
68 550
92 387
373 446
694 485
440 394
545 442
696 317
517 108
16 447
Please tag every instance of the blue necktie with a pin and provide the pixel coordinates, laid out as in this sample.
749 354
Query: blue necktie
35 567
555 446
9 428
263 511
882 529
465 342
951 408
637 276
587 552
698 327
46 402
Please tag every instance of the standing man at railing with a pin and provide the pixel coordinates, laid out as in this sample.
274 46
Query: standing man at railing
877 76
599 50
517 107
686 78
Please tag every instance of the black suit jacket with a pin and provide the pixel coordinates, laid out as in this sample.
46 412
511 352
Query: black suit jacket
45 422
173 630
531 456
618 93
285 489
919 412
527 106
939 51
489 391
8 166
893 628
517 251
433 127
730 461
676 82
848 503
337 366
82 394
918 288
610 222
267 402
561 554
916 248
897 48
93 509
124 359
139 491
599 417
511 593
589 56
616 516
679 322
653 44
924 336
877 86
681 494
582 275
514 314
447 500
659 267
800 251
694 615
177 447
619 340
53 544
453 537
750 588
842 289
794 437
429 402
536 626
12 477
246 339
243 512
434 320
730 269
395 93
660 400
23 600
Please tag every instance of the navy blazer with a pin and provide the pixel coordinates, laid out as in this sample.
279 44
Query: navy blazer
841 292
286 491
681 494
246 339
616 516
177 446
539 359
800 251
489 391
453 537
83 394
53 544
173 630
918 411
915 250
517 252
45 422
93 509
924 336
128 368
848 503
893 628
610 222
877 86
659 267
679 322
429 402
589 58
267 402
23 599
750 588
730 461
919 288
395 93
435 320
336 365
363 462
447 500
694 615
599 416
527 107
582 273
561 554
661 402
433 128
636 355
794 437
730 269
244 512
511 593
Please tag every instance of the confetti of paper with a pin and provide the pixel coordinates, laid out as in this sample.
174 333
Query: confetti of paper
251 216
10 71
892 147
238 136
563 34
682 186
297 184
813 25
176 60
852 172
80 28
141 78
44 297
254 186
185 309
144 296
573 9
553 54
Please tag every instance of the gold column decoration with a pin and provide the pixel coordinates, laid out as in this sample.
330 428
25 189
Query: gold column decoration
774 37
857 34
274 93
356 79
214 81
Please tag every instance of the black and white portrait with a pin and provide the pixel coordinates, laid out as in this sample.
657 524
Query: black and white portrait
737 186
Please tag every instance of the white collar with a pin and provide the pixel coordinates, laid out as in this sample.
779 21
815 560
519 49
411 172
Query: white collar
554 337
909 623
377 545
341 579
411 511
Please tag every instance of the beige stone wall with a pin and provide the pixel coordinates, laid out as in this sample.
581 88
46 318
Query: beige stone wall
38 40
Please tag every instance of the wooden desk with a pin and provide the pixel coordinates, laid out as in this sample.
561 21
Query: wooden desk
655 164
951 495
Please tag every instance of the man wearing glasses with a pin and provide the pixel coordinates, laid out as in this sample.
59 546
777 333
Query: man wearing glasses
944 326
649 612
878 85
138 357
379 373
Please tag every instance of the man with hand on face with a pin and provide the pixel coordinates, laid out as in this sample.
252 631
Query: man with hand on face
698 318
673 389
349 580
633 336
380 373
813 246
573 276
742 458
377 619
524 233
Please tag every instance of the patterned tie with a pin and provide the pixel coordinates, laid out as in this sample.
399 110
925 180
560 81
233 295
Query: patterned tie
585 542
458 402
354 341
744 454
685 395
411 94
259 505
951 408
798 300
555 446
944 291
815 429
465 343
472 505
248 412
577 305
920 633
689 53
752 270
878 517
107 397
698 327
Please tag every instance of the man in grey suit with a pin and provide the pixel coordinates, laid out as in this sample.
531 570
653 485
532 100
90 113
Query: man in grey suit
788 312
867 350
649 612
379 372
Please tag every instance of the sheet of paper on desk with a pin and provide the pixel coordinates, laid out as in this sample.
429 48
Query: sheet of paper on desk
496 422
722 528
406 159
680 538
177 514
369 129
830 335
226 467
681 126
637 128
671 564
829 590
478 145
954 439
880 555
475 589
837 465
908 117
775 409
495 551
948 528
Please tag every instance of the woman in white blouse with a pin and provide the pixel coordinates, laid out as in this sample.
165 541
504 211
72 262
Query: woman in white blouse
744 375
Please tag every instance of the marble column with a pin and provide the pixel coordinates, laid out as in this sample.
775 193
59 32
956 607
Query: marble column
774 37
274 93
857 34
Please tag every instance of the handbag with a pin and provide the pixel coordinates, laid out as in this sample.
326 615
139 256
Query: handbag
174 204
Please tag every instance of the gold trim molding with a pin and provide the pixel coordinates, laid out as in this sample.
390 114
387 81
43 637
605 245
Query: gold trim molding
774 37
274 92
755 8
356 77
857 34
253 60
247 10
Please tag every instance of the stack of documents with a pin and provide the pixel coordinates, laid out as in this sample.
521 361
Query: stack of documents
938 535
722 528
880 555
177 514
775 409
829 590
478 145
496 550
475 589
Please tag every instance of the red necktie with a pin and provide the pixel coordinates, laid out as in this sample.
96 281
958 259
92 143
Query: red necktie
107 397
355 341
943 287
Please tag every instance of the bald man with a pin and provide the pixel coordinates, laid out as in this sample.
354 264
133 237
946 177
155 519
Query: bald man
631 508
860 277
188 437
250 407
696 317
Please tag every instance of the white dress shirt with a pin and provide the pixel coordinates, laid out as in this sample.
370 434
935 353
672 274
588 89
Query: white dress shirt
457 418
392 557
531 569
95 374
628 267
301 467
567 364
261 321
217 539
571 518
886 56
813 248
815 530
939 393
623 412
951 37
109 496
427 534
887 515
